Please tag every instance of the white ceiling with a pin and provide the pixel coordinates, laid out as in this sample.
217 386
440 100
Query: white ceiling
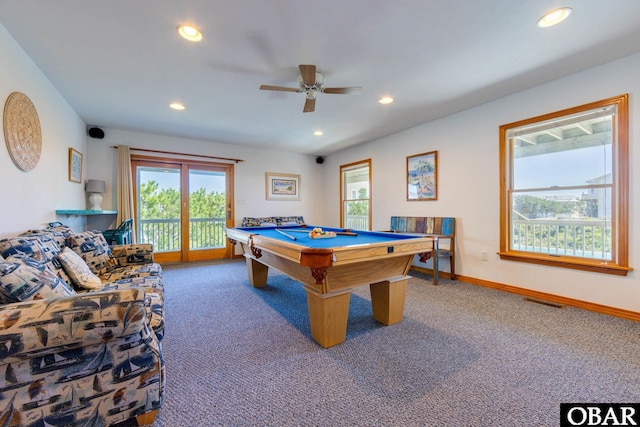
119 63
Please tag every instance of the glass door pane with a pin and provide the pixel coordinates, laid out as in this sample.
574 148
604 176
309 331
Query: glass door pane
356 196
207 209
159 207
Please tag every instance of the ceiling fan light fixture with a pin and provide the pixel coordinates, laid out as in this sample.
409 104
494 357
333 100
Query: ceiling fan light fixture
177 106
554 17
310 82
385 100
189 32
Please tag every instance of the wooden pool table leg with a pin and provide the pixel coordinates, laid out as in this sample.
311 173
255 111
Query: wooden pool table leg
387 300
328 315
257 272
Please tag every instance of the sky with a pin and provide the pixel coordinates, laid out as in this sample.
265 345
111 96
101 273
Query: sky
570 167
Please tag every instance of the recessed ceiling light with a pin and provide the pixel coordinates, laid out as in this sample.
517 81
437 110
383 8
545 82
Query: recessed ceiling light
190 33
554 17
385 100
318 133
177 106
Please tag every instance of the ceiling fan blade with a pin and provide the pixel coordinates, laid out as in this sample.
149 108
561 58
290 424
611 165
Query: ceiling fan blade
342 90
308 73
279 88
309 105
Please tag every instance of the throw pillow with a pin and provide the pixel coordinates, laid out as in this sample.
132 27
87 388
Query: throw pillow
23 278
78 270
94 250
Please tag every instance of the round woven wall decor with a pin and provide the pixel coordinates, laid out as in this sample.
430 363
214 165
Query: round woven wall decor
22 131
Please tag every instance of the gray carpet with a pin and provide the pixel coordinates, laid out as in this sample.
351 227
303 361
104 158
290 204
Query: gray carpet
463 356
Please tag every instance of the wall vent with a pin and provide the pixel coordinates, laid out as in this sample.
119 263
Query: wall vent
538 301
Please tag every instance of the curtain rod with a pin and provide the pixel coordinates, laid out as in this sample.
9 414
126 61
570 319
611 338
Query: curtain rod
181 154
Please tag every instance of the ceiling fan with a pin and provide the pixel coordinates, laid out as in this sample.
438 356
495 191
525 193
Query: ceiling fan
311 82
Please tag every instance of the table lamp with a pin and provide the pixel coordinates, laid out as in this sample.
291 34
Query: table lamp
94 189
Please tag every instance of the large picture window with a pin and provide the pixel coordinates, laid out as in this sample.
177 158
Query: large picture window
564 188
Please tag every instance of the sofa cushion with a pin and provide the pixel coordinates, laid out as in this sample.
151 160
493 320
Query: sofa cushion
94 250
23 278
41 247
58 235
151 284
136 253
132 271
78 270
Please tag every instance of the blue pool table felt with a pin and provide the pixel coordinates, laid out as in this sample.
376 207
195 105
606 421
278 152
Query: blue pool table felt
362 238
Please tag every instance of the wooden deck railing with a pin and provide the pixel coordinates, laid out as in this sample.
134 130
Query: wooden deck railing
165 234
582 238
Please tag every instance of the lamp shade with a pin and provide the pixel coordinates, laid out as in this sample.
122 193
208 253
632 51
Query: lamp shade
95 186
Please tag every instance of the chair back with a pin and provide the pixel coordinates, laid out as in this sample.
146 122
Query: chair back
126 225
443 226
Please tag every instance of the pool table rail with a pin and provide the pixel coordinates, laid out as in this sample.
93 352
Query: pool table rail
325 257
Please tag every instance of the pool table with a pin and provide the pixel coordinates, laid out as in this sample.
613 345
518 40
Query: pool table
330 268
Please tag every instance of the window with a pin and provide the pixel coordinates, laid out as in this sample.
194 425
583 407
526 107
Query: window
564 188
355 199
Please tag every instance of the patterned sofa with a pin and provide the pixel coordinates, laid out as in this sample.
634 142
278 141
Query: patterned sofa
271 221
81 325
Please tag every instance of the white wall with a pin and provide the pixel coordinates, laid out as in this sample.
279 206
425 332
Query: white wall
30 199
468 187
249 179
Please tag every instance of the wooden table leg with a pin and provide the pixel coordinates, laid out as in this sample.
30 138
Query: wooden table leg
387 299
257 272
328 315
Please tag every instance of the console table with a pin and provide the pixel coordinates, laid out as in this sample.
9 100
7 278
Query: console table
87 219
84 212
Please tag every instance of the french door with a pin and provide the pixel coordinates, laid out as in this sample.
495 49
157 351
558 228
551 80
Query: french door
183 207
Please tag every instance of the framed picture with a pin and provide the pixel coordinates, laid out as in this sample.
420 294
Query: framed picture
75 165
422 176
282 186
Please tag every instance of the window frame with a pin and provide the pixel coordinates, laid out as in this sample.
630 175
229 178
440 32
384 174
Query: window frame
344 168
619 264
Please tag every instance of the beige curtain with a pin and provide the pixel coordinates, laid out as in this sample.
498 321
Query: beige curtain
124 190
